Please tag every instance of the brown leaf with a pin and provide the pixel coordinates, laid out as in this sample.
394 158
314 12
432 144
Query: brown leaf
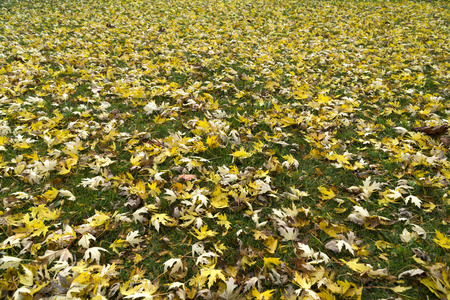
421 254
432 130
445 140
187 177
372 222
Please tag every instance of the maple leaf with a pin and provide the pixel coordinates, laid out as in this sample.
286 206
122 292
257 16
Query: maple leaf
158 219
85 240
266 295
270 262
407 236
416 201
204 233
27 277
242 154
67 193
411 273
290 162
442 240
357 267
94 254
151 107
271 243
223 221
212 275
326 194
337 245
368 188
230 292
204 258
138 214
305 283
174 264
9 262
289 233
132 238
171 196
92 183
359 215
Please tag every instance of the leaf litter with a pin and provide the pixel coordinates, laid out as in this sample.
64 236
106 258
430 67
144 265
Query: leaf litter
224 150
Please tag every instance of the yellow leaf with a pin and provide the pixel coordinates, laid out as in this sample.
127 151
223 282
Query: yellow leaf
442 240
220 247
27 278
42 212
212 275
212 141
271 244
51 194
136 160
381 245
219 201
204 233
432 286
357 267
262 296
303 281
270 262
98 219
223 221
326 193
400 289
139 189
241 154
118 244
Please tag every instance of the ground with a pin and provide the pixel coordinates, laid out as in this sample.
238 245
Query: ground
240 149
